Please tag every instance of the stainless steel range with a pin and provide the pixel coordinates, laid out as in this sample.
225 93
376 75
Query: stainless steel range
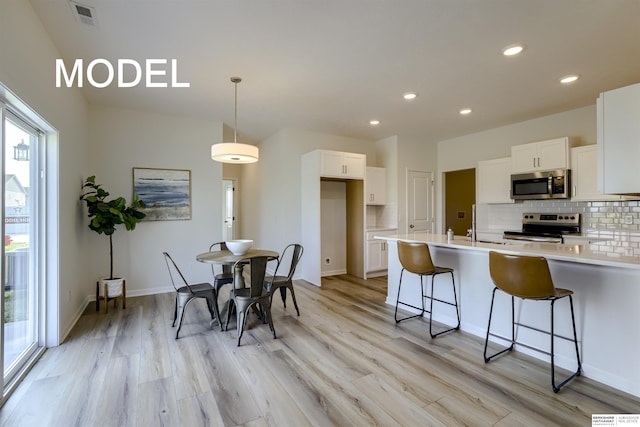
544 227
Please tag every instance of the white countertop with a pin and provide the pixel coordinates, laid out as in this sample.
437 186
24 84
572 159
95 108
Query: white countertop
584 254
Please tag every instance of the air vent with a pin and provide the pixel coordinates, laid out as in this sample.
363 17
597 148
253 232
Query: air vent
83 13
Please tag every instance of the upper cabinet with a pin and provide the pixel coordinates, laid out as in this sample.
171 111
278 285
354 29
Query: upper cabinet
543 155
583 176
376 186
493 179
337 164
619 140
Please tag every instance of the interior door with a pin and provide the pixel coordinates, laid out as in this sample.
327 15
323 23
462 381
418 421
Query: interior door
420 212
228 209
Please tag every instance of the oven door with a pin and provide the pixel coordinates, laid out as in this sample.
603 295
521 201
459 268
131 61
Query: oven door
531 238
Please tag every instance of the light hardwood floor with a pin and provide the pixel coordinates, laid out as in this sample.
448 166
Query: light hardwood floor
343 362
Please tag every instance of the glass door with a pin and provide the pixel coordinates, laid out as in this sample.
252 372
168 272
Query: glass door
20 297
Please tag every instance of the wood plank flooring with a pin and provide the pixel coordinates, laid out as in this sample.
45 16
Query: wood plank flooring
343 362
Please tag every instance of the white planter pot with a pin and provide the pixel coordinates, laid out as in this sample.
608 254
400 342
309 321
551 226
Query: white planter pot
115 287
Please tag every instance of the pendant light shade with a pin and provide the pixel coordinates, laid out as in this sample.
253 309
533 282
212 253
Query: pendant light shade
234 152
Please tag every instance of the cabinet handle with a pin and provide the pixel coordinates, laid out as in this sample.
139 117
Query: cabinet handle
538 161
534 162
575 192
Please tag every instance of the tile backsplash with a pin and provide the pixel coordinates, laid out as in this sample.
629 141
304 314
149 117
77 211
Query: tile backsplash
617 223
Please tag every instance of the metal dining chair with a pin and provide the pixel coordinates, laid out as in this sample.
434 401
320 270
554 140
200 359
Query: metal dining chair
275 282
243 299
185 293
226 275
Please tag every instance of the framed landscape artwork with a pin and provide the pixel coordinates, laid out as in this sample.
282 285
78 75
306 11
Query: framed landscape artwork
166 192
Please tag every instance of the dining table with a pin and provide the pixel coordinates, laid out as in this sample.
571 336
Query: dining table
226 257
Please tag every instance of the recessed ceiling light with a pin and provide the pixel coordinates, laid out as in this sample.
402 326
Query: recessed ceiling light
569 79
465 111
512 49
409 95
374 122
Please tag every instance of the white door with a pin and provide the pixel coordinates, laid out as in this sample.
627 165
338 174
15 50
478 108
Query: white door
420 215
228 209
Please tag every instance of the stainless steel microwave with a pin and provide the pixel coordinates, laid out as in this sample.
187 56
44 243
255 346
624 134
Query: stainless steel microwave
551 184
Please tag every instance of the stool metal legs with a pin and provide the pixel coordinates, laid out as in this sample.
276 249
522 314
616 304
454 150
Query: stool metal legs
552 335
575 341
431 298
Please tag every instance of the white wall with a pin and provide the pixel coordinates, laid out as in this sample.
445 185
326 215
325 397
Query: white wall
27 59
124 139
333 223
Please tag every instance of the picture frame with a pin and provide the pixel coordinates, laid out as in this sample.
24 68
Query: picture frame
166 192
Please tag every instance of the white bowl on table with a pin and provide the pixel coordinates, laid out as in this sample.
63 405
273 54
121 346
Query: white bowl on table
240 246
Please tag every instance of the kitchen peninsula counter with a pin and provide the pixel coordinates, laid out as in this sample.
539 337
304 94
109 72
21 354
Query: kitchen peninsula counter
606 290
588 253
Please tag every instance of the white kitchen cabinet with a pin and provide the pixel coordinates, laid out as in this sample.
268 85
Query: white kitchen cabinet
619 140
376 186
337 164
377 255
584 179
377 251
493 181
542 155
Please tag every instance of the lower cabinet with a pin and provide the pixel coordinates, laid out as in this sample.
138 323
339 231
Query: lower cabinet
377 253
377 259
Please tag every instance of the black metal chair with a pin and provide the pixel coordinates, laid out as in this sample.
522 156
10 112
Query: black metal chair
528 278
226 275
254 296
272 283
185 293
416 258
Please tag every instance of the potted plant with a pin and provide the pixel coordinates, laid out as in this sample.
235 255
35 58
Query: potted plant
105 215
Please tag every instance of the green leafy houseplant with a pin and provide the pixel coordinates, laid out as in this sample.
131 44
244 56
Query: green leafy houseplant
106 215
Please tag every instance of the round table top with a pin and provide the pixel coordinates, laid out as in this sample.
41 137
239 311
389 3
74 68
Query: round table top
226 257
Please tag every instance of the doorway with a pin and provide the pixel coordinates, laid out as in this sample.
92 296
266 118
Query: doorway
228 209
460 196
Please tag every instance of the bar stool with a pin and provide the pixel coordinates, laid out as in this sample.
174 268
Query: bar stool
416 258
528 278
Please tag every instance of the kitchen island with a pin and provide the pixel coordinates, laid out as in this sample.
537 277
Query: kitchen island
606 300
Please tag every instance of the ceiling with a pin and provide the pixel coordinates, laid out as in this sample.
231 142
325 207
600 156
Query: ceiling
332 65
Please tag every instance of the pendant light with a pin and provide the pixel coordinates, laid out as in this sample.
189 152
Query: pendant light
234 152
